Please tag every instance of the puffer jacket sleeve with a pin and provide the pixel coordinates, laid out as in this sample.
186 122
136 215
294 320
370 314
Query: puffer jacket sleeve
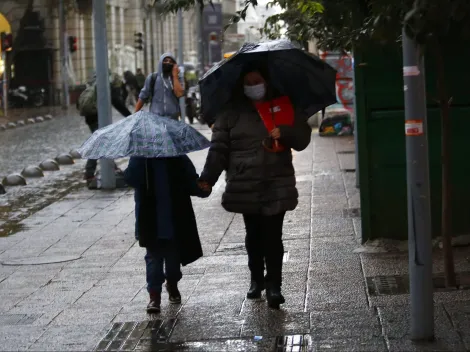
299 135
219 152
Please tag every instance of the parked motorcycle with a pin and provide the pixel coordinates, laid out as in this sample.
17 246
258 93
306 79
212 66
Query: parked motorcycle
22 97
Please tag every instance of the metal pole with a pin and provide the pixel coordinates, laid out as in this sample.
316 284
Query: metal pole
419 206
64 52
200 32
108 177
5 84
181 62
209 51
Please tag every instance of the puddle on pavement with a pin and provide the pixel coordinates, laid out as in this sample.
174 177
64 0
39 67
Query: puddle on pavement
14 211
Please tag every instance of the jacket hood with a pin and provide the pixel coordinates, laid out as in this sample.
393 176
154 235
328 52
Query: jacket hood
163 57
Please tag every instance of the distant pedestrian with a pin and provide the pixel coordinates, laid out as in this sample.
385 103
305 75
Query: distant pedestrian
162 89
87 107
131 88
260 175
165 221
140 79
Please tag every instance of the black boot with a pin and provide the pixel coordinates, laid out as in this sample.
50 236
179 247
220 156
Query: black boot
255 290
274 297
173 292
154 305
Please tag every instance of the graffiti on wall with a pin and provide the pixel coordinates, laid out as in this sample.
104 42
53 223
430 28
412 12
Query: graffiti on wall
343 63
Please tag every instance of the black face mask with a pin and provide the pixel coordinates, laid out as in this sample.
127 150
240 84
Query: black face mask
167 68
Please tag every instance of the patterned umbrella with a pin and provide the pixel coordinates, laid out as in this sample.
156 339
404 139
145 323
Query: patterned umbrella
143 134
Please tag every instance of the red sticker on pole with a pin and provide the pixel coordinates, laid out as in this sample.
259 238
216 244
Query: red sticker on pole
414 128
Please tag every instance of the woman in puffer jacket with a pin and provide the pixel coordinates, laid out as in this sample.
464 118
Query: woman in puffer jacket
261 184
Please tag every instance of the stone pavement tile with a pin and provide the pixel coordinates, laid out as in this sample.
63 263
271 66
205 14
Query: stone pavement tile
109 297
347 161
295 244
328 189
351 345
329 205
222 345
395 322
332 292
384 264
294 282
335 248
13 338
459 313
332 224
271 323
89 315
69 338
451 297
10 299
349 267
47 299
345 324
204 324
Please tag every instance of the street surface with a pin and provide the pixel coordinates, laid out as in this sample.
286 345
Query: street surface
72 276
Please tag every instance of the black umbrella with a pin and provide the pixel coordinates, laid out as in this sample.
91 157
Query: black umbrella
306 79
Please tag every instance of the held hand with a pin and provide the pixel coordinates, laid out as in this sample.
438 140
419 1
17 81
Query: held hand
275 133
176 70
204 186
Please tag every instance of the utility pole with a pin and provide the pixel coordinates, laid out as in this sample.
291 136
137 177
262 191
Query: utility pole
419 205
64 53
181 62
108 177
200 33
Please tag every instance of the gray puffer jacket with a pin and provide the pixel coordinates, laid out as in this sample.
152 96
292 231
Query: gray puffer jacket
258 181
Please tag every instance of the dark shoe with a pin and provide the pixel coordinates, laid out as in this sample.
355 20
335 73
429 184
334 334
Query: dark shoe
173 293
255 290
154 305
274 298
91 182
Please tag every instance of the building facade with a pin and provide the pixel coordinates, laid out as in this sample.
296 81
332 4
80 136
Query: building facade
125 18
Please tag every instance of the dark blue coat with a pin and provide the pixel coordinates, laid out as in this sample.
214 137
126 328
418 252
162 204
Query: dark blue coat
163 208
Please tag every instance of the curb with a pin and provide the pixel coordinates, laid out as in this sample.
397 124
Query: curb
22 123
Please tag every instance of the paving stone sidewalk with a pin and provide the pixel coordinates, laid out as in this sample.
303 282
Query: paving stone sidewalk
95 299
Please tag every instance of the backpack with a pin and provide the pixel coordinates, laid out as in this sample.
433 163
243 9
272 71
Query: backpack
87 101
153 79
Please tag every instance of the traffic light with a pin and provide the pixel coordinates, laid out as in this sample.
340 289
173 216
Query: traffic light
139 41
6 41
73 44
213 37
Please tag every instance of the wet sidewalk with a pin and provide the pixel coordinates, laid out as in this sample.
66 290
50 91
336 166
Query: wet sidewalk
74 278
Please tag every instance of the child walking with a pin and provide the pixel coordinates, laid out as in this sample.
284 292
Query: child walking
165 221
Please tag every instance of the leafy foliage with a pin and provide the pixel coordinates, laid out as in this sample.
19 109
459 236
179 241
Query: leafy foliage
341 24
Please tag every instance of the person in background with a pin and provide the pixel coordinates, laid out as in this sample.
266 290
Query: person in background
163 89
140 77
92 120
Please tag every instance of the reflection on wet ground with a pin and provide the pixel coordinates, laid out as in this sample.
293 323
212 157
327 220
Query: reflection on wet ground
154 335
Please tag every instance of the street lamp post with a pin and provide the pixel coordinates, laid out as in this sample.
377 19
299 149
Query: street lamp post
108 176
419 204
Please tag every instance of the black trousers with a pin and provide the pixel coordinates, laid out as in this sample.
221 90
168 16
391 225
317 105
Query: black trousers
264 245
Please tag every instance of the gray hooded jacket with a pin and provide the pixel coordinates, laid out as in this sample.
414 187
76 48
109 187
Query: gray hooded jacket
164 101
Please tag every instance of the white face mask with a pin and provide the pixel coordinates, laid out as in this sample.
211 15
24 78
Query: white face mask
255 92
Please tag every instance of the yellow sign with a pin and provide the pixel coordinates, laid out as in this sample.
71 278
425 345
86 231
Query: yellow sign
227 55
